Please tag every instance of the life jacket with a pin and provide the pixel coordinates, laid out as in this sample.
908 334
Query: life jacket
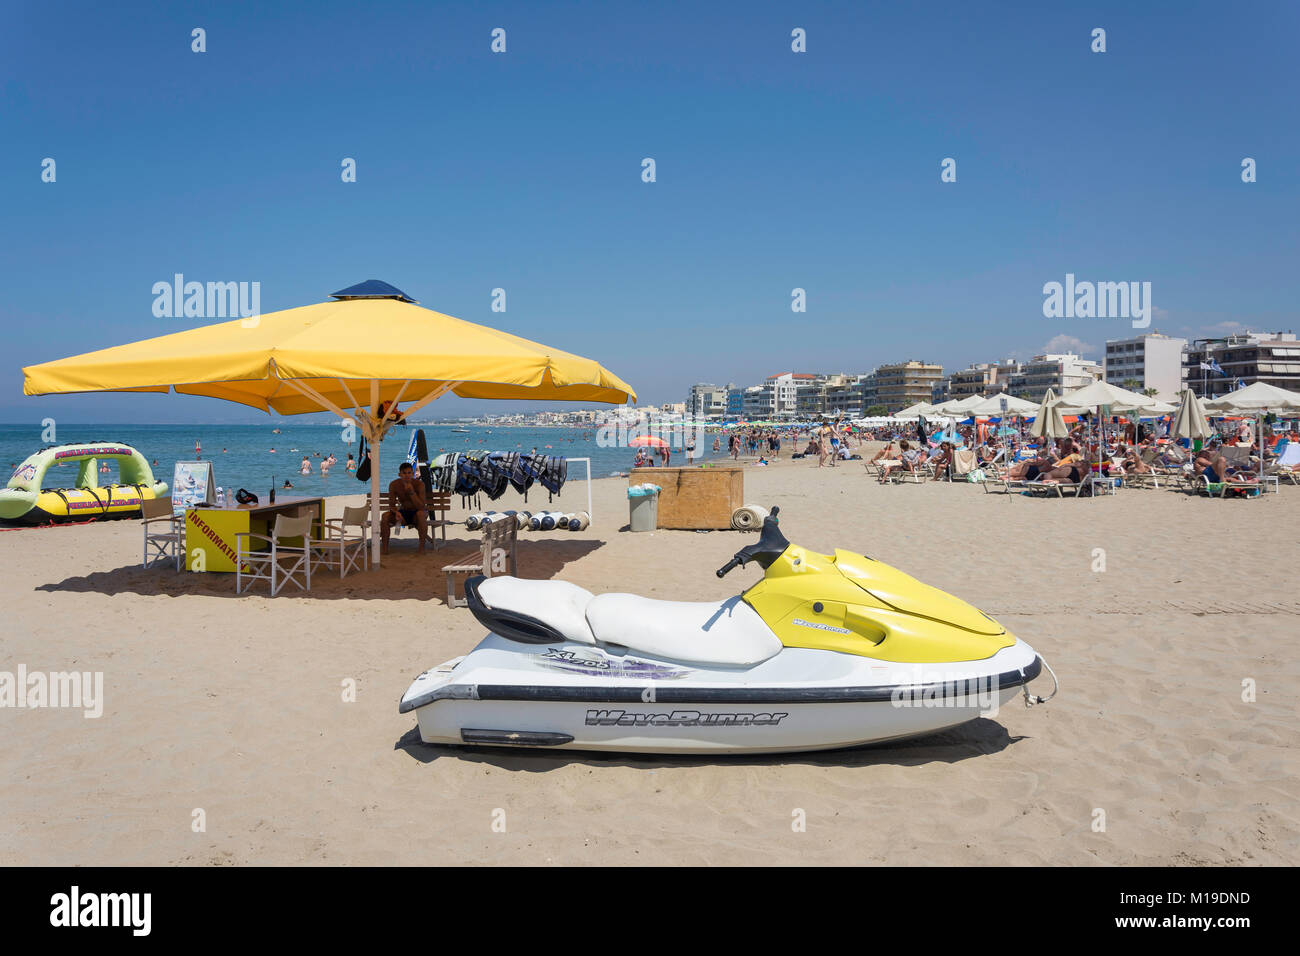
494 475
466 483
553 471
521 477
443 472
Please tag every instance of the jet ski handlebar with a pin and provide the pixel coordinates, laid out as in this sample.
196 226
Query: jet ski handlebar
769 546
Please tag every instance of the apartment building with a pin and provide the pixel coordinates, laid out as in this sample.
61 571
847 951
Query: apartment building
708 401
906 383
982 378
1148 361
786 387
836 396
1061 373
1245 357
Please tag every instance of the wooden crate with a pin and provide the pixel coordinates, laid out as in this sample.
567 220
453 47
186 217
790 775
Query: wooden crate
695 497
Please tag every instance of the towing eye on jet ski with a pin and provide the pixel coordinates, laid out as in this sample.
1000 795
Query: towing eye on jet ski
823 651
1031 699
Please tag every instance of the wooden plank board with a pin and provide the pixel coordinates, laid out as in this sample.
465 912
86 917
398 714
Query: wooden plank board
695 497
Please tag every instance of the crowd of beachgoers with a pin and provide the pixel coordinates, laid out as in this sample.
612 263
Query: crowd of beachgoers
1115 450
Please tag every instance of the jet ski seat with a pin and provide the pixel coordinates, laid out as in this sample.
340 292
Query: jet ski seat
726 633
729 633
535 612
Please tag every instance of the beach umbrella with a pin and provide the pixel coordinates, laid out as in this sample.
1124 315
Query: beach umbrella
992 405
1048 422
642 441
1105 397
958 406
1258 397
913 412
357 356
1255 400
1015 407
1190 422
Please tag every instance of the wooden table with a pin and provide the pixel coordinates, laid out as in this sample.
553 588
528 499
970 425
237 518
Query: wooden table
210 531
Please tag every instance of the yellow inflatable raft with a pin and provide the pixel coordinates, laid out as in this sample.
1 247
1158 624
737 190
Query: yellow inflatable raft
26 502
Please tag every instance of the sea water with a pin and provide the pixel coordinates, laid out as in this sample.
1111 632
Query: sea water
242 455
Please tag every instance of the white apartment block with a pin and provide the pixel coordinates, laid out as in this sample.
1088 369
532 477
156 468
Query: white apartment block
1061 373
1147 361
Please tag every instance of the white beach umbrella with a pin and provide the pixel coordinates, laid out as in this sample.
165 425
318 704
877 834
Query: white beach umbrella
1255 400
1048 422
958 406
1190 422
1259 397
913 412
1105 395
993 406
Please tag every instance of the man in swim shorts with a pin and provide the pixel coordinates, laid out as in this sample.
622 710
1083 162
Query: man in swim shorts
405 506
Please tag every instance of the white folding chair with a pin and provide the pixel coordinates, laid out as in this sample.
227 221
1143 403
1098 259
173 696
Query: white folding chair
339 550
164 532
282 563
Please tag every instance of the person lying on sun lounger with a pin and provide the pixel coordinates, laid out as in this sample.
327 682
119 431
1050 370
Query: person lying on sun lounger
1066 467
1131 463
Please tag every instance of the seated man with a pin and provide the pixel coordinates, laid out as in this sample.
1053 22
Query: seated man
406 506
1210 463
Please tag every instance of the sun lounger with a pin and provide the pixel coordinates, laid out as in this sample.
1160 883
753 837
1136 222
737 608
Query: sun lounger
1053 486
1002 483
898 471
1151 477
1202 485
1284 466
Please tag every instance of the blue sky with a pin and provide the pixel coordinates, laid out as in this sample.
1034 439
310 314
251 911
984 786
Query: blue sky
522 170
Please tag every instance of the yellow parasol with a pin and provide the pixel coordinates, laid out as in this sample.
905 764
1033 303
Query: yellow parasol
371 347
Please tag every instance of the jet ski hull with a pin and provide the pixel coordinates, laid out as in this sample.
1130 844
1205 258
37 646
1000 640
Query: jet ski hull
571 696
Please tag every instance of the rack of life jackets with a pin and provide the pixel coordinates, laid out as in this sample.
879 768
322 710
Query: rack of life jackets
481 472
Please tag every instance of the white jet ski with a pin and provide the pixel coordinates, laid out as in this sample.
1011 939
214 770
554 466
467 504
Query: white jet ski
824 651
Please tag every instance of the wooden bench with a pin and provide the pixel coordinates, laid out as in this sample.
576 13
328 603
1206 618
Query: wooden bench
438 505
499 552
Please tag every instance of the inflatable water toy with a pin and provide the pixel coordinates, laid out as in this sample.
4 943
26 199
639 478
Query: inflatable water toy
25 502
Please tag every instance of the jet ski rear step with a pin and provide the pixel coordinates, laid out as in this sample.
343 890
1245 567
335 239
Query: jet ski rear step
514 738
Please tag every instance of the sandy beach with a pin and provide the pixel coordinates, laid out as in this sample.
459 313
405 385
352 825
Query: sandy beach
235 705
